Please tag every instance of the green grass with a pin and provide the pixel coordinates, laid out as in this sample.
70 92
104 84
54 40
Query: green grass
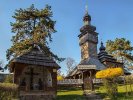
77 93
122 95
122 88
70 94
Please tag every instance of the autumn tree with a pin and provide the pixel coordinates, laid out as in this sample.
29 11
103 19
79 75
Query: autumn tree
32 26
121 49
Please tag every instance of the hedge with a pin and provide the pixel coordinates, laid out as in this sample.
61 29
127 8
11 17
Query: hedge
8 91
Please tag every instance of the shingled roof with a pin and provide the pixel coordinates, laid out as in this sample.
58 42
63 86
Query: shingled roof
90 63
104 56
93 61
36 57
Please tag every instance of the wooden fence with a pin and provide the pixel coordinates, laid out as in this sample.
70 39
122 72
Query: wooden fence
76 81
70 81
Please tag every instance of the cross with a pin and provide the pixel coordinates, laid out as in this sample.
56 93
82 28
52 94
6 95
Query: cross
31 73
86 7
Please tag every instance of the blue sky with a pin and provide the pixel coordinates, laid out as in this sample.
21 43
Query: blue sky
112 18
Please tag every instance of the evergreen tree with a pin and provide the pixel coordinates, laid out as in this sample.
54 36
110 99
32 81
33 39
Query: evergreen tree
121 49
32 26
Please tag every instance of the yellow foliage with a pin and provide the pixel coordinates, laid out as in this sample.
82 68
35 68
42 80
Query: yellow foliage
59 78
109 73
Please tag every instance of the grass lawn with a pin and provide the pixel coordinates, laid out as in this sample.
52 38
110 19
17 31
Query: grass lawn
122 95
77 93
70 94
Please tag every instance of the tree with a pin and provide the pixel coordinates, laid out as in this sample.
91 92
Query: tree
32 26
1 65
70 64
121 49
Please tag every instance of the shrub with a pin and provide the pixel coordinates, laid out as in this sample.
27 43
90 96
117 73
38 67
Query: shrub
8 79
59 78
8 91
109 77
109 73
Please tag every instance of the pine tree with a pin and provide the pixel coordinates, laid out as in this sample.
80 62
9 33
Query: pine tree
121 49
32 26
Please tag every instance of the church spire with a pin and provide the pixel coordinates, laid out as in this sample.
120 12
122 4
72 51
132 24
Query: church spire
87 17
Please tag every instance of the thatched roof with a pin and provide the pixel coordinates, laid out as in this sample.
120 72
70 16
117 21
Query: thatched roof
36 57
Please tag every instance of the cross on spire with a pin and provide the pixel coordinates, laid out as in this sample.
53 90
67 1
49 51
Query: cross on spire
87 17
86 8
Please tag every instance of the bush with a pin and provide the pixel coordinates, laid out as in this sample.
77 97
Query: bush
59 78
8 79
8 91
109 77
109 73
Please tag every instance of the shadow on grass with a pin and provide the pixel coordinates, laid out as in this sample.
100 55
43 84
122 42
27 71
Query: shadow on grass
67 90
119 96
124 96
70 97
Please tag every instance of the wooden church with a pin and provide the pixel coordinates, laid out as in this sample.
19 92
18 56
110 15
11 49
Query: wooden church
91 60
36 75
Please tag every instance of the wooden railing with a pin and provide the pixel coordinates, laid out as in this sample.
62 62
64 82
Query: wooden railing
96 81
70 81
76 81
